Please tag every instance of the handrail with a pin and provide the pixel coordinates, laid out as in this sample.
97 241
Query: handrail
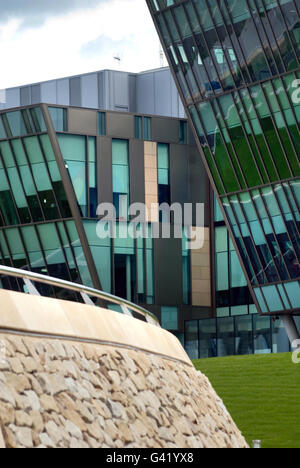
85 291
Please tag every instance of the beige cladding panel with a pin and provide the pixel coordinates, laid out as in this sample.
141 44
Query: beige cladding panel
151 180
54 317
200 270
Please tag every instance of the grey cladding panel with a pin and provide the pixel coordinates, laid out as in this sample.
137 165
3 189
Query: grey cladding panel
89 85
48 92
25 94
145 94
163 95
63 92
12 98
120 91
35 94
75 91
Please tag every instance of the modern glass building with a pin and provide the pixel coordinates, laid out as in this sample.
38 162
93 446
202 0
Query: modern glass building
57 164
236 64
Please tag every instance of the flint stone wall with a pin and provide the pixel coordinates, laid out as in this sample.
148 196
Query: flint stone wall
72 394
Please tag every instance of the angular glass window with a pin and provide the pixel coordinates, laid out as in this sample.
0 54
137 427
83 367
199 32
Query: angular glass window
59 118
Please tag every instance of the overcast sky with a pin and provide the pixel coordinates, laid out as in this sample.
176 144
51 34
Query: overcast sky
47 39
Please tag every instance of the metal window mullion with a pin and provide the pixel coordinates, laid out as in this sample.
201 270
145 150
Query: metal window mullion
10 187
262 132
87 175
180 58
10 257
274 234
267 37
33 179
242 240
234 150
287 231
71 248
292 108
237 40
264 299
24 247
276 130
209 52
253 136
221 43
260 38
250 235
50 178
63 250
263 232
286 125
290 207
196 46
286 295
212 156
294 197
225 146
288 33
20 178
43 253
270 219
3 256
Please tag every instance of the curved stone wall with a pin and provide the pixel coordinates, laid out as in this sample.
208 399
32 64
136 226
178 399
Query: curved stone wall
74 393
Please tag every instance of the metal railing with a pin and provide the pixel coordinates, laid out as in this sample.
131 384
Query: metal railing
86 292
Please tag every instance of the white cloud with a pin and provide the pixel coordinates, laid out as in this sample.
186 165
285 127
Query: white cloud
67 44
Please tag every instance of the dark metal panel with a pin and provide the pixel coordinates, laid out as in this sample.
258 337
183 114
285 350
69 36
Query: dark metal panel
119 125
25 96
165 130
82 121
168 272
132 93
179 174
36 94
137 171
104 172
75 91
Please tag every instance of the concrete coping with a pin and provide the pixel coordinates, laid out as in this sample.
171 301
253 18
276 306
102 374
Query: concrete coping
23 313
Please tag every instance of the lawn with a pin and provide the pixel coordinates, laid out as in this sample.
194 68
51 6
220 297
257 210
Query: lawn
262 393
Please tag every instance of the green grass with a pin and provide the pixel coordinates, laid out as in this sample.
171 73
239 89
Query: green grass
262 393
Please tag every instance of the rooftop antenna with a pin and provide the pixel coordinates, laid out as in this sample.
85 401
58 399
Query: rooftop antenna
161 56
118 59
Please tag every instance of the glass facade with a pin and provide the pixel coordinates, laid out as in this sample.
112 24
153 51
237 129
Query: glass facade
236 64
240 335
44 168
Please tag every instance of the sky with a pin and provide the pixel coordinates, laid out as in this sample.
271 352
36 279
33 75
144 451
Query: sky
47 39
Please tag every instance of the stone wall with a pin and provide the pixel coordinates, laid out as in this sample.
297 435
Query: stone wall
74 375
66 394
